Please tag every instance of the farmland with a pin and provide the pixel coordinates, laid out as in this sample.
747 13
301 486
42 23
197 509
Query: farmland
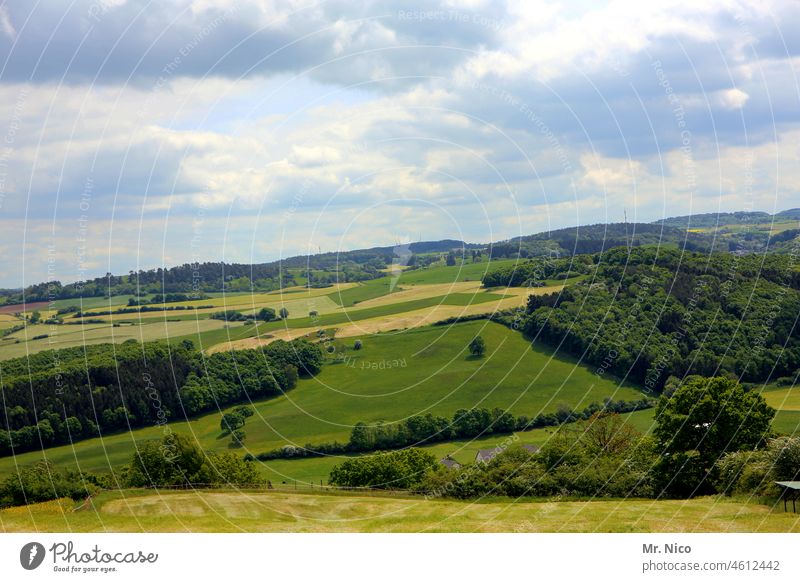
283 511
383 303
392 377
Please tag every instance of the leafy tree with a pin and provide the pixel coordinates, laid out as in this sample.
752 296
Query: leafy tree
74 427
284 313
360 438
701 421
477 347
607 434
266 314
35 317
237 437
396 470
244 411
357 345
451 259
231 469
174 460
231 421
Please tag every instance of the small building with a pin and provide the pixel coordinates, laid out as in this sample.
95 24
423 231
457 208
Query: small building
450 463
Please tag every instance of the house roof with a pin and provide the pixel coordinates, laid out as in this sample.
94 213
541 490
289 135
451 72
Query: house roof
486 455
450 463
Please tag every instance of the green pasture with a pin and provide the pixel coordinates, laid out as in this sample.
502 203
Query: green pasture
392 377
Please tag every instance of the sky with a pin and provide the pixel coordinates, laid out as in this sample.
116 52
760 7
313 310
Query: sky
136 134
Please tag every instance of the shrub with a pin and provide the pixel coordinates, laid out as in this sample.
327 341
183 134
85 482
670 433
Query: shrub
396 470
43 482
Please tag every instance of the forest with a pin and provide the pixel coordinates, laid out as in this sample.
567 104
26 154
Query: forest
648 313
64 396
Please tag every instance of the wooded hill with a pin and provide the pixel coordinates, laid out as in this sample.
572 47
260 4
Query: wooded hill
649 313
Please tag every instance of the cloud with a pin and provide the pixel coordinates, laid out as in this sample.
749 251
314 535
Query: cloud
293 125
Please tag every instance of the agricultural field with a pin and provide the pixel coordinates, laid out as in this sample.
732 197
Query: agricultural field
287 511
392 377
416 298
24 341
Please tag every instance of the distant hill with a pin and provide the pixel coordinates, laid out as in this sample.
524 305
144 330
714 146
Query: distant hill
715 219
596 238
739 232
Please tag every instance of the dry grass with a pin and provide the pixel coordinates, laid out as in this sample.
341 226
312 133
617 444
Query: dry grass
280 511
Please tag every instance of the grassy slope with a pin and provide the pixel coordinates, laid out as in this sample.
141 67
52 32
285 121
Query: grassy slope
281 511
438 377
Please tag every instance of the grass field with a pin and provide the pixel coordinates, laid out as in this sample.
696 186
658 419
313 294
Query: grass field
283 511
391 378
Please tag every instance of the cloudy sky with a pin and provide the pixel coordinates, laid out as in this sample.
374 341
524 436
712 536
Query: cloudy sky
137 133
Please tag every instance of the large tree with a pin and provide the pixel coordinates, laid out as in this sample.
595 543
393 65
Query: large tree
701 421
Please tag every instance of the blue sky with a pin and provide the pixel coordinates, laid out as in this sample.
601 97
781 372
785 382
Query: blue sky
140 134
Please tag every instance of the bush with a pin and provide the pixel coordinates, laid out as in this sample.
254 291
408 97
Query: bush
43 482
237 437
396 470
357 345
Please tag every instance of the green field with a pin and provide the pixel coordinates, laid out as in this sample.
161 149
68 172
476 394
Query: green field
432 275
424 370
286 511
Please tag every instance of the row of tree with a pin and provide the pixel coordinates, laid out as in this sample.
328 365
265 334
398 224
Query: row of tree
465 423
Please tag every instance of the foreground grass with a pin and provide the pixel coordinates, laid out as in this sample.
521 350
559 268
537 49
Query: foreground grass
281 511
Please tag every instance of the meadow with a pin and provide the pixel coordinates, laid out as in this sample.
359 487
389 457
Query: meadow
392 377
284 511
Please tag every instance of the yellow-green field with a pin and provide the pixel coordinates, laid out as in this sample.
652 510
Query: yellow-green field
283 511
66 336
413 299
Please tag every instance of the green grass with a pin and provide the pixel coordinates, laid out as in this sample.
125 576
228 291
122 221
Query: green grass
456 273
428 276
364 291
287 511
425 370
330 319
787 422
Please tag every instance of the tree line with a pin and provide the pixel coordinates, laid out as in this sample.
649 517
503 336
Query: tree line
67 395
465 423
